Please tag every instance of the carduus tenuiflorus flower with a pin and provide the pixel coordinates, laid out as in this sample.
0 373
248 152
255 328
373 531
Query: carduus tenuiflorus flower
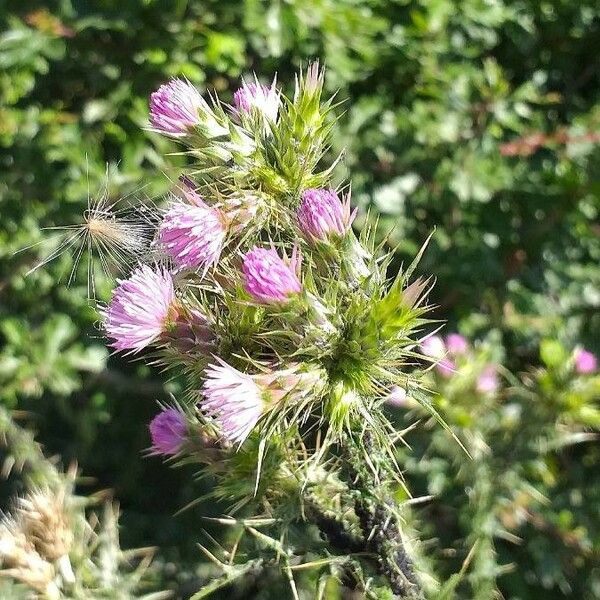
268 278
236 400
175 108
141 309
585 361
456 344
397 397
487 382
193 233
233 399
255 96
168 431
322 215
433 346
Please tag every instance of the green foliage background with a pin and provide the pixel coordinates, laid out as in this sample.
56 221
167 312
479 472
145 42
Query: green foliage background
442 101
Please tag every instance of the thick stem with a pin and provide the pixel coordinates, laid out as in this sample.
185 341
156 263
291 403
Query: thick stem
381 525
384 538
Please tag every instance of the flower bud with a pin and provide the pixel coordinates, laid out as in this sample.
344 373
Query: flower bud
174 108
257 98
237 400
233 399
397 397
270 279
177 110
487 382
433 346
322 215
168 430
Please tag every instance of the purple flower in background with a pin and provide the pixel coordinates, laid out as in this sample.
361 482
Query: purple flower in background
487 382
233 399
433 347
322 214
140 309
168 431
270 279
445 367
397 397
256 96
174 108
585 361
193 235
456 344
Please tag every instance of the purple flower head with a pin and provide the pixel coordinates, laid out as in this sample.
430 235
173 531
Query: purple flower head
193 235
322 214
456 344
585 362
140 309
174 108
257 97
487 382
270 279
168 431
233 399
433 346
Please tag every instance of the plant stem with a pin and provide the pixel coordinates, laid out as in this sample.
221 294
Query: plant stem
382 531
379 522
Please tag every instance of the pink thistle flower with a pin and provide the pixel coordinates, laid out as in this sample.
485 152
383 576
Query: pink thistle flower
233 399
193 235
433 346
585 362
237 400
487 382
174 108
257 97
168 431
456 344
140 309
270 279
322 214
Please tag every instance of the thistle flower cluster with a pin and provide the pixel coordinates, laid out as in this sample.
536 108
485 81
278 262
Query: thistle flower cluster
281 320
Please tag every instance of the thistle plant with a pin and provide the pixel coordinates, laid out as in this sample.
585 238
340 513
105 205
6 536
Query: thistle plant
289 335
512 427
